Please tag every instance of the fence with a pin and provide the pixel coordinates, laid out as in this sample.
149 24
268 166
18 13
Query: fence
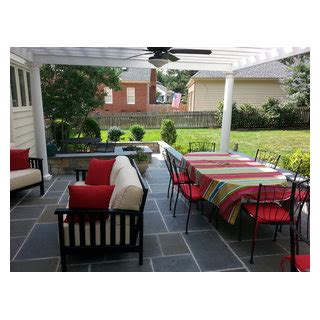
153 120
206 119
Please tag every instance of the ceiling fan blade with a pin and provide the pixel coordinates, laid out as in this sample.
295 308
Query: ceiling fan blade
158 49
170 57
190 51
141 54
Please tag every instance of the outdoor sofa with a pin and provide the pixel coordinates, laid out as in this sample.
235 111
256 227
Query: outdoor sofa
27 178
116 229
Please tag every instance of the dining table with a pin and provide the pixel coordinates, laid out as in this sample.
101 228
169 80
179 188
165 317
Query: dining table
225 179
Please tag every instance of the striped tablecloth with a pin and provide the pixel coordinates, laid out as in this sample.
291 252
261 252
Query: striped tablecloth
226 178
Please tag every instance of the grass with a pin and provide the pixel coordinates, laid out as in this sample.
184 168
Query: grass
280 141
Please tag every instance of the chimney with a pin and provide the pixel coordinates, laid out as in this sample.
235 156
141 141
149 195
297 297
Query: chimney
153 86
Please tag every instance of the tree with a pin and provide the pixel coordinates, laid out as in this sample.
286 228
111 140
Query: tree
176 80
70 93
297 84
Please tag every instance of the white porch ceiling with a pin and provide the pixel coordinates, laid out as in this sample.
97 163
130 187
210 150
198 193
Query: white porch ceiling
222 58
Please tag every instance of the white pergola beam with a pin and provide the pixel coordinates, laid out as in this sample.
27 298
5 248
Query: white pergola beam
134 63
270 55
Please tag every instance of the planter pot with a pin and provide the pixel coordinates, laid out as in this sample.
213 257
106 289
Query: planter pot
143 166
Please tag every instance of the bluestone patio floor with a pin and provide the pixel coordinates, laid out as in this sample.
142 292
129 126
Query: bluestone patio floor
35 245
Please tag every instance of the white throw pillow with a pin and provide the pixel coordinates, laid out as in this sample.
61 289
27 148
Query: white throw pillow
128 192
121 162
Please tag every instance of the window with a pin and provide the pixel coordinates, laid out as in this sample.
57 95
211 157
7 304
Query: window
22 88
13 86
29 88
108 97
131 96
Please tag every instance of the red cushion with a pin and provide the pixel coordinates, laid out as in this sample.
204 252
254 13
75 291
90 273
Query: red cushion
19 159
99 172
90 197
195 192
303 262
302 196
183 178
267 212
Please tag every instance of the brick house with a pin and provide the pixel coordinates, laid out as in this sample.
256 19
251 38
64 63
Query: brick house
138 91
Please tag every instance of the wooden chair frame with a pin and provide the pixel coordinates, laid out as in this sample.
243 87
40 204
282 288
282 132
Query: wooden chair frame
92 215
35 163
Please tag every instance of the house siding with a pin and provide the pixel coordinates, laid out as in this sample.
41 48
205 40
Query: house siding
23 135
208 93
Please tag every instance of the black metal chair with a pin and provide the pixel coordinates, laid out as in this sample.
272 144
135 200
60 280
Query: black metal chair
268 158
189 190
298 177
202 146
174 179
101 230
271 207
298 233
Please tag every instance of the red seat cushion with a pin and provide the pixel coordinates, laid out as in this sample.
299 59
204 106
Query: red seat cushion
99 172
195 192
19 159
183 178
90 197
302 196
303 262
267 212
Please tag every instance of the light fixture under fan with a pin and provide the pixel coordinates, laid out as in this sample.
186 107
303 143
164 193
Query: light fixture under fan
163 55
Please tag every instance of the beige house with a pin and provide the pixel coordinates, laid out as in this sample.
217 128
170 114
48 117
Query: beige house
22 132
251 85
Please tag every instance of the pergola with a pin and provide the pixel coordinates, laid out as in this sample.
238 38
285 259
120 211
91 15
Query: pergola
226 59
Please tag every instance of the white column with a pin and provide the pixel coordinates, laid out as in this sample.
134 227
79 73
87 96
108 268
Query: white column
227 113
38 118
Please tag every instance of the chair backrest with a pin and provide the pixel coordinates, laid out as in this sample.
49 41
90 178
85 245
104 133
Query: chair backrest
202 146
299 219
178 170
297 173
168 161
279 197
268 158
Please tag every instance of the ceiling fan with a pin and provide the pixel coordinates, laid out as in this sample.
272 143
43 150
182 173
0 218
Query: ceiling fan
162 55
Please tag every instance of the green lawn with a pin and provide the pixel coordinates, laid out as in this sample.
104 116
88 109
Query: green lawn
280 141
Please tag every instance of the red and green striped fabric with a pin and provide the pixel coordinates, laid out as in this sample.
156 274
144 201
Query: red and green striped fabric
226 178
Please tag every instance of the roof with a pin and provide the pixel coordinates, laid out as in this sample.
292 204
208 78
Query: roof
270 70
160 86
135 74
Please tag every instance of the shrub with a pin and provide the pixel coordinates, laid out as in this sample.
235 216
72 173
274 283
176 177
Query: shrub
250 115
140 156
91 128
60 130
114 134
183 149
289 113
235 114
292 160
168 131
137 132
271 112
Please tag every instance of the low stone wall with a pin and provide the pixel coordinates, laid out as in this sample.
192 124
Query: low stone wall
66 163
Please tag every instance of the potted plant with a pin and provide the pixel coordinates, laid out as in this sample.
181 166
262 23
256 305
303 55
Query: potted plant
141 160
